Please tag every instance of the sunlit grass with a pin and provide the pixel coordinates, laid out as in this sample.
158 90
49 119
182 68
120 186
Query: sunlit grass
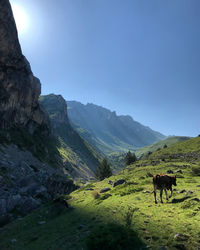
155 225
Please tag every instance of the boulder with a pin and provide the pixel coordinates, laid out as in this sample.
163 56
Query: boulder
13 201
103 190
169 171
28 205
179 171
149 175
118 182
182 191
146 192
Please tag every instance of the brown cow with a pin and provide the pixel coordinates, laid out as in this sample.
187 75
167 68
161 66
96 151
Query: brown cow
163 181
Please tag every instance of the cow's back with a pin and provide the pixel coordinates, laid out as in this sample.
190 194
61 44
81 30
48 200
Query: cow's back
161 181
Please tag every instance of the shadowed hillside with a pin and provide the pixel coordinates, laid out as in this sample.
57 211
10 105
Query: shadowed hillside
79 158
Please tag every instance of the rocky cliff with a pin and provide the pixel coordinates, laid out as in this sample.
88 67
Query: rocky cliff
19 89
79 158
31 169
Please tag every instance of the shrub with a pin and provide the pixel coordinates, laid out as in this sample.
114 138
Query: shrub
105 196
129 215
113 237
95 194
196 170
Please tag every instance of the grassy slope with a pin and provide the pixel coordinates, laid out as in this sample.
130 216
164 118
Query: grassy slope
156 225
168 141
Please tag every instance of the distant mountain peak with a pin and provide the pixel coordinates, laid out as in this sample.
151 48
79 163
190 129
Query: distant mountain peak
117 132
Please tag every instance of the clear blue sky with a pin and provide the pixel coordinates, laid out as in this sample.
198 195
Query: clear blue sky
137 57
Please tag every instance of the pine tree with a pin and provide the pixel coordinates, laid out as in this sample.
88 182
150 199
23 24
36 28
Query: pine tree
130 158
103 171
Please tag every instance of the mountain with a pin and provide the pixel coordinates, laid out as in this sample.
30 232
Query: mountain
19 89
31 167
107 131
126 216
79 158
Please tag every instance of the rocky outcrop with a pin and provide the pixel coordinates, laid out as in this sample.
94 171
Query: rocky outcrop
26 179
26 182
80 159
56 107
19 89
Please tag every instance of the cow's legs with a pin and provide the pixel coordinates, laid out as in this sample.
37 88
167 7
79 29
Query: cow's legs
155 194
161 191
171 192
166 194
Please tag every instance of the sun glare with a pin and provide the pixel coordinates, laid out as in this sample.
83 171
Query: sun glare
21 18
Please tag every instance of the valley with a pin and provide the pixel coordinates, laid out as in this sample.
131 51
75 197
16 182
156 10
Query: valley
172 225
51 151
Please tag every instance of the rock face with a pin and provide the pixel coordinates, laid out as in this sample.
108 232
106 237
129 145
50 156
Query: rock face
26 182
19 89
81 160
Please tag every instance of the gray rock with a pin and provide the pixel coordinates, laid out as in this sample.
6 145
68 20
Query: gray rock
182 191
195 199
3 209
27 181
170 171
28 205
103 190
149 175
41 222
13 240
89 189
146 192
13 201
118 182
179 171
110 182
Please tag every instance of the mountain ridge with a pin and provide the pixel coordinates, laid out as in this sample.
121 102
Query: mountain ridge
109 130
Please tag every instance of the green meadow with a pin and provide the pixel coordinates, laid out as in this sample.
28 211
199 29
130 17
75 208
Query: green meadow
125 217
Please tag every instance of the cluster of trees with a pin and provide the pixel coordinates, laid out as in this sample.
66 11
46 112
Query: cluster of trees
130 158
104 169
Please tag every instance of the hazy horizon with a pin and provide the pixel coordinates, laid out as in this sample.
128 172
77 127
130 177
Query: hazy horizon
136 57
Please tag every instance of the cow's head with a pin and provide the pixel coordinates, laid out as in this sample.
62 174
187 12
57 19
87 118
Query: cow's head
174 180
